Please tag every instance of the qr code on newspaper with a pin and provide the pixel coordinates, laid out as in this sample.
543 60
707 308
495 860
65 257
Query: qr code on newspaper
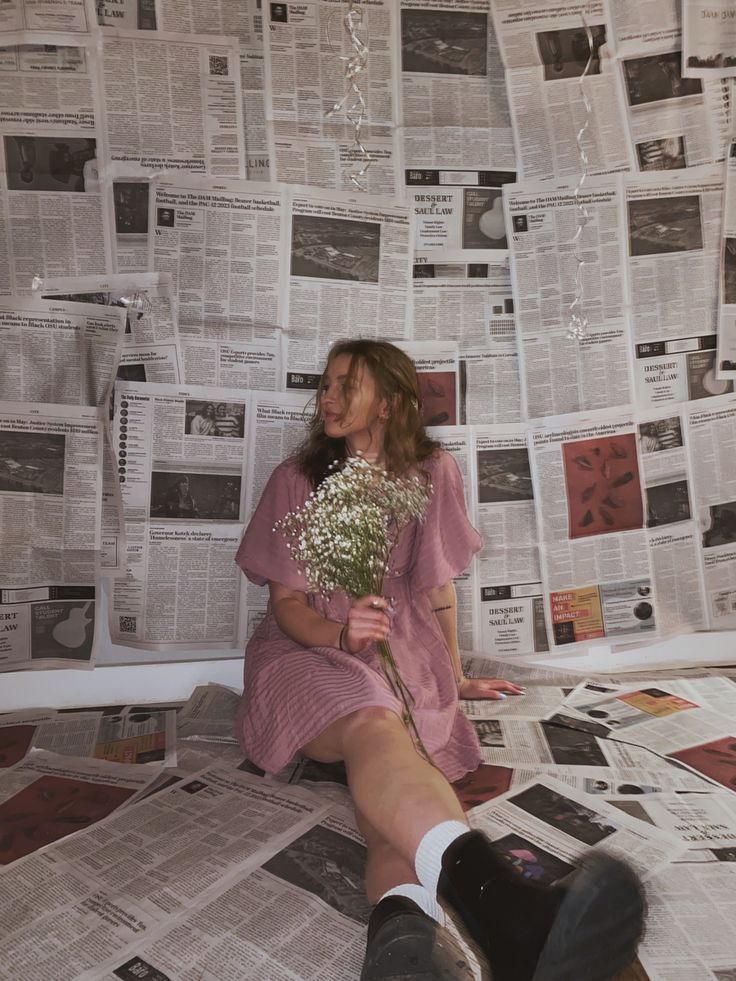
128 625
218 65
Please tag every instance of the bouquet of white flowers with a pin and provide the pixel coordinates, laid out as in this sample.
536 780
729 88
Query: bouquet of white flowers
342 537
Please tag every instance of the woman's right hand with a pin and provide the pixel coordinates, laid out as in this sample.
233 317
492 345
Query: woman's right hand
367 622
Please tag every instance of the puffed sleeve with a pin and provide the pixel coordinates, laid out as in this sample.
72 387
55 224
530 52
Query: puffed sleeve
445 541
263 554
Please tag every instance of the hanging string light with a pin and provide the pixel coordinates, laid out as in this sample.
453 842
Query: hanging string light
353 101
578 322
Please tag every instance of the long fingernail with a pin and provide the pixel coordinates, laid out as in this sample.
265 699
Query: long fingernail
501 694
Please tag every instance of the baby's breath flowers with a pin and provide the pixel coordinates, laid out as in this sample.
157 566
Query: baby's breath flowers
342 537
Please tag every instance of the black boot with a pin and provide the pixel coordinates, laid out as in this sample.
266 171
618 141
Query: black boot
585 927
404 944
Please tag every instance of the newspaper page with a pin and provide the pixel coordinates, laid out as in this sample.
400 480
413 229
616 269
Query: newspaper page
150 352
643 25
459 212
674 536
677 724
93 898
278 425
127 204
53 16
52 215
545 829
708 39
545 49
311 142
726 359
690 924
46 797
489 781
710 431
674 228
311 888
240 19
560 374
674 122
57 351
594 547
204 234
183 482
147 298
705 823
208 714
456 441
131 735
230 365
350 271
173 102
454 110
437 372
50 490
508 599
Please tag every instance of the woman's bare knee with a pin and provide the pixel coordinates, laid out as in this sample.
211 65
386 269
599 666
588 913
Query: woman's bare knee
329 746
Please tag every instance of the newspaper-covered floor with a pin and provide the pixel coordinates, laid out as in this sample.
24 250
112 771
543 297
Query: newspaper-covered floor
135 841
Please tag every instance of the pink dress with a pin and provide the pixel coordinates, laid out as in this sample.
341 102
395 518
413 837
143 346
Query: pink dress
292 692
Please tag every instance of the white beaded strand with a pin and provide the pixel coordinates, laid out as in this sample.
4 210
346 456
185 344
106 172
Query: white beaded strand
353 101
578 322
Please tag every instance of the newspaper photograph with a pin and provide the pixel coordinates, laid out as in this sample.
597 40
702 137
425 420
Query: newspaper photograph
349 264
17 730
674 237
50 503
437 372
66 16
714 505
203 236
90 905
183 467
508 605
459 212
127 204
596 565
453 105
173 102
726 359
57 351
46 797
545 48
708 39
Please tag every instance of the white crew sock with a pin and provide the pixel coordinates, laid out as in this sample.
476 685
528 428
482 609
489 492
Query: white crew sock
428 859
419 895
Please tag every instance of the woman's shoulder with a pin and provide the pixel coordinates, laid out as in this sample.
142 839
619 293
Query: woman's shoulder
439 463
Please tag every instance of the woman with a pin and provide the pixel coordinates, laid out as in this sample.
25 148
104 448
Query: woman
313 685
204 422
180 503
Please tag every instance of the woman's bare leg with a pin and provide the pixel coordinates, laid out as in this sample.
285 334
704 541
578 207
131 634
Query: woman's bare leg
398 793
384 867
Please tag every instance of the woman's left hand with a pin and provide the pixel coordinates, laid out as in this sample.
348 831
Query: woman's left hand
494 688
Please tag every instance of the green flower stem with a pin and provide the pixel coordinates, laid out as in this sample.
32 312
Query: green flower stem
399 689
